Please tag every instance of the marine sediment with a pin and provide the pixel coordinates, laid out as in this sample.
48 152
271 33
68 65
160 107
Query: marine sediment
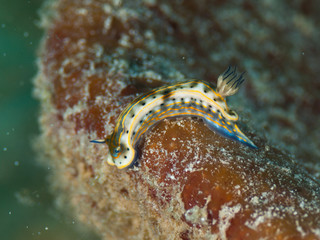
190 183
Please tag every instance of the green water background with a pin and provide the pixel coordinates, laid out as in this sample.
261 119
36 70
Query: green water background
27 208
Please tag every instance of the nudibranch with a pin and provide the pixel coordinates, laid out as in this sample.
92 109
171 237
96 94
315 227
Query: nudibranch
189 98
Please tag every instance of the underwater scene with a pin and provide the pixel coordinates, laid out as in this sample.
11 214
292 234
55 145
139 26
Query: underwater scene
28 209
173 119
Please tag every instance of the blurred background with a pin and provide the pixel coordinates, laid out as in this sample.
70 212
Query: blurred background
27 208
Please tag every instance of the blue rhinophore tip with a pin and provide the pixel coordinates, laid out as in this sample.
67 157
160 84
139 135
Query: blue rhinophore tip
98 141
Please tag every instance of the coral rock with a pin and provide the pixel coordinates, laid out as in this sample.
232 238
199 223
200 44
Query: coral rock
190 183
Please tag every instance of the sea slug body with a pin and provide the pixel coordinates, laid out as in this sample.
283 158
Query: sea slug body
189 98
